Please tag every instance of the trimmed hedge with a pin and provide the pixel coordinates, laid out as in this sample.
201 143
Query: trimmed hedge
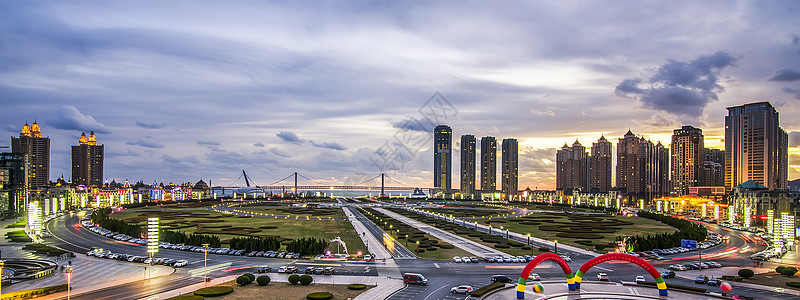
187 297
263 280
294 279
251 276
243 280
306 279
319 296
358 286
793 284
27 294
746 273
788 271
483 290
214 291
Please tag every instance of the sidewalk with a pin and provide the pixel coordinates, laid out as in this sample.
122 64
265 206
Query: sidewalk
537 242
731 271
383 286
460 242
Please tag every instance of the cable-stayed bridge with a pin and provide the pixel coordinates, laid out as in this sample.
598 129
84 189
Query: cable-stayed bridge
297 182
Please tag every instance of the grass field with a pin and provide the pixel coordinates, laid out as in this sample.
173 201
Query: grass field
228 226
283 290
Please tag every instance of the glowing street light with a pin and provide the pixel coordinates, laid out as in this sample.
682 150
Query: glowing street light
205 263
69 278
556 247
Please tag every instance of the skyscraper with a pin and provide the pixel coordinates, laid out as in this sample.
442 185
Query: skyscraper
688 155
642 167
87 162
31 143
510 168
712 172
13 183
442 157
468 153
488 164
572 167
755 146
600 173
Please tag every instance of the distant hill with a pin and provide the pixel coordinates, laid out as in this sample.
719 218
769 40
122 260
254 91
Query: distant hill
794 185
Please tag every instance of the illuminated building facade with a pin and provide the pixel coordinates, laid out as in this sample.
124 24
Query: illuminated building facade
755 146
87 161
488 165
442 157
642 167
510 169
13 183
31 143
688 154
572 167
468 154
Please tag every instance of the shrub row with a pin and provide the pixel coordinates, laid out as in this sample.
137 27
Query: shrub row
319 296
194 239
101 218
255 244
214 291
483 290
307 246
28 294
686 230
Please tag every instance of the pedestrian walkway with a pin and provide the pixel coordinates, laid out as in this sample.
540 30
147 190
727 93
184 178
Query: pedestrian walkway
383 286
537 242
462 243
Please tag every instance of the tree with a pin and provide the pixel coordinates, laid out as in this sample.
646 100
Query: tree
746 273
263 280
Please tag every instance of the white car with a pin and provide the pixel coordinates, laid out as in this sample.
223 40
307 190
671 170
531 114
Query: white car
639 279
461 289
566 258
180 263
457 259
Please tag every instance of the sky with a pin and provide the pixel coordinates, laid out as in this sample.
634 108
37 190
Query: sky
340 91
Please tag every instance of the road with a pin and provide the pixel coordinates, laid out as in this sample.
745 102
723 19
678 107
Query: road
442 275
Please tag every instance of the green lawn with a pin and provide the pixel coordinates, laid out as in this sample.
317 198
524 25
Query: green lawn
228 226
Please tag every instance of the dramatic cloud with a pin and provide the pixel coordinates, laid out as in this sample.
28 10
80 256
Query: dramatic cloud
260 145
785 75
290 137
680 88
147 143
69 118
794 92
207 143
414 125
280 152
329 145
150 125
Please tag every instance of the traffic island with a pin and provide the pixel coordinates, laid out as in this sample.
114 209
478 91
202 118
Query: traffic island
280 291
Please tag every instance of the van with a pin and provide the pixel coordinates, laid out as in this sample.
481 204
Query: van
414 278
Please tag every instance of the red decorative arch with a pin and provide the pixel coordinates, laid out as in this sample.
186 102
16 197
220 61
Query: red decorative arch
662 286
523 278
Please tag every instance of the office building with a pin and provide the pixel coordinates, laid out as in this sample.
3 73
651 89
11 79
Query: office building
688 154
712 172
572 167
30 142
600 166
468 154
442 157
642 167
510 169
755 146
87 162
488 164
13 183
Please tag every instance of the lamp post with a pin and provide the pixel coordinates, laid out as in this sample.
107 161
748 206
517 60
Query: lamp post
556 247
69 277
417 250
406 240
529 243
205 263
391 230
490 229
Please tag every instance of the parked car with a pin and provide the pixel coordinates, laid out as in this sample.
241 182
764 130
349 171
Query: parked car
461 289
639 279
701 279
534 277
180 263
414 278
329 271
456 259
264 269
692 266
602 276
501 279
291 269
668 274
309 270
566 258
319 271
282 269
473 259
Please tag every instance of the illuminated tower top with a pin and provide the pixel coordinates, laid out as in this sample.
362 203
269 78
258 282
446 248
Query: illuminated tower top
82 141
35 131
26 130
92 139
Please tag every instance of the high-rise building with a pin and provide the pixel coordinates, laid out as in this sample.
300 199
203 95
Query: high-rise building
600 173
442 157
488 164
87 162
510 168
755 146
13 183
572 167
712 171
688 154
468 153
31 143
642 167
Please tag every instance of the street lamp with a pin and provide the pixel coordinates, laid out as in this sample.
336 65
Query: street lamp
69 277
417 250
205 263
529 243
406 240
490 229
556 247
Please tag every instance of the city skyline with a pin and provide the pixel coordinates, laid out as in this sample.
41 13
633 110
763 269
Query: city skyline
201 91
